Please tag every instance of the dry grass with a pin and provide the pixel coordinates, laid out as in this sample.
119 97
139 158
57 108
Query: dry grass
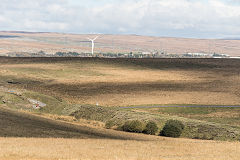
114 82
122 82
96 143
73 120
20 124
99 149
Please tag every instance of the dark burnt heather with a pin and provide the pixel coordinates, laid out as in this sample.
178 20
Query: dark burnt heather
153 63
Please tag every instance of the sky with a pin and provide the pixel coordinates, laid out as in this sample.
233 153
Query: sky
167 18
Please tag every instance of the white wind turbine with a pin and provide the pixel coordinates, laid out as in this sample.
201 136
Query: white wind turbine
92 40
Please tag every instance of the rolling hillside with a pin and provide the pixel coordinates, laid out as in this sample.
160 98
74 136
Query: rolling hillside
20 124
71 87
53 42
43 138
124 82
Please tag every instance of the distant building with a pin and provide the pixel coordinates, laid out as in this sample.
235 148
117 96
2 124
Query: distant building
197 54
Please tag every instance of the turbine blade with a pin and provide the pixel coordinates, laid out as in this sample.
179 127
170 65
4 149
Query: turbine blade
95 38
89 39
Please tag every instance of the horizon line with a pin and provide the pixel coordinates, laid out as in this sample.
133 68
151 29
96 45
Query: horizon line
71 33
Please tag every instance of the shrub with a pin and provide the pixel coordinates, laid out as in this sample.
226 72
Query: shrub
133 126
151 128
109 124
172 128
119 128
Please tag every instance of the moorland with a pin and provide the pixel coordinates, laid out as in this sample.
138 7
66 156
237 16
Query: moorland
82 94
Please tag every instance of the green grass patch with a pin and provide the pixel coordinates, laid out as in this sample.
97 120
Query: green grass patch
54 105
13 100
199 129
187 110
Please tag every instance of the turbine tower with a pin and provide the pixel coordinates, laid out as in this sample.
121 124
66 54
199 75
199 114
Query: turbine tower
92 40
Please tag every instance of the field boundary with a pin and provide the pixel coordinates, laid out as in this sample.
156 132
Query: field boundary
183 106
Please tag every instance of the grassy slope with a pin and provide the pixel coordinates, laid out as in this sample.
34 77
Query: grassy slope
228 116
194 128
92 143
121 82
49 139
58 81
20 124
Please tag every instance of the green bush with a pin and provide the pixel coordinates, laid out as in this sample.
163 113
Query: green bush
119 128
172 128
109 124
151 128
133 126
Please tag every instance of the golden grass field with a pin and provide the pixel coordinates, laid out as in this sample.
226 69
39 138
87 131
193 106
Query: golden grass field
103 149
44 140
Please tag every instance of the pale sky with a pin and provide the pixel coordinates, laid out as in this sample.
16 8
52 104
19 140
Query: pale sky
169 18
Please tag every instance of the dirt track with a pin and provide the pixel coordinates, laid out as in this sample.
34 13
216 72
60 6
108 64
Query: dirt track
190 106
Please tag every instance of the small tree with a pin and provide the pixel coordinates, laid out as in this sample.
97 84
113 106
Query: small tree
133 126
151 128
59 53
172 128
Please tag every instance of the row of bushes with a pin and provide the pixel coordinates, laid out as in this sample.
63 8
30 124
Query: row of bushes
172 128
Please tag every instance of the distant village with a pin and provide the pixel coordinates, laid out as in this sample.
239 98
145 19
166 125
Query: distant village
122 55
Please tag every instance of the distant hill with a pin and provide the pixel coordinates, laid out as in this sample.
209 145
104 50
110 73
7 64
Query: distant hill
54 42
231 39
7 36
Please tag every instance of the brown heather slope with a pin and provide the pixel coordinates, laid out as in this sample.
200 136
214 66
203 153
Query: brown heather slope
121 82
20 124
53 42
